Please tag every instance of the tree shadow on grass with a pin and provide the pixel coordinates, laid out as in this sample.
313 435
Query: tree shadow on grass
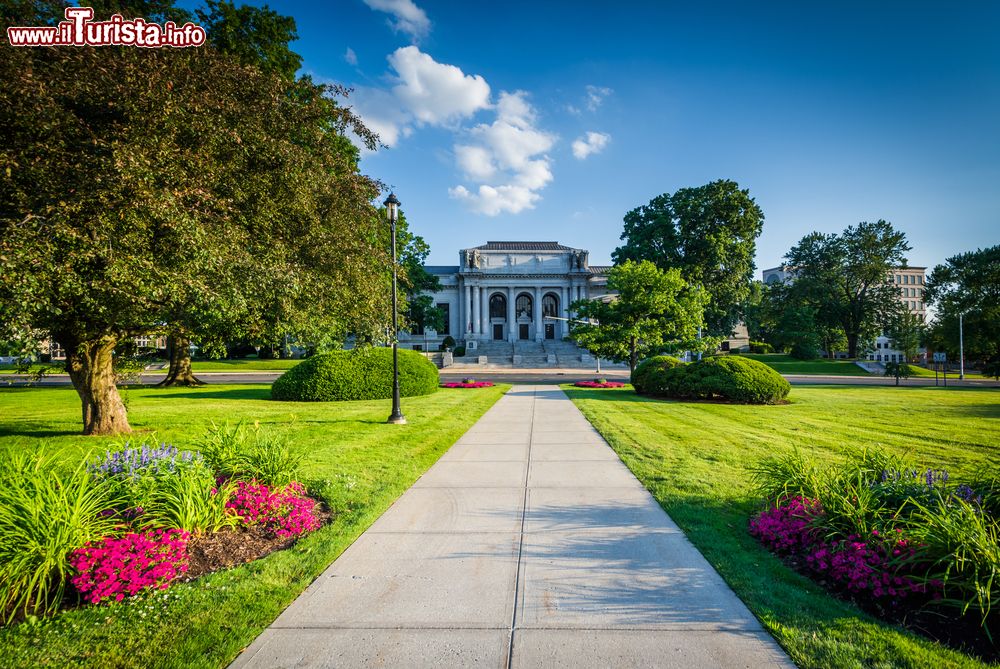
228 394
20 430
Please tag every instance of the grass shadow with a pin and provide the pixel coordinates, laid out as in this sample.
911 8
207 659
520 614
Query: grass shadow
230 394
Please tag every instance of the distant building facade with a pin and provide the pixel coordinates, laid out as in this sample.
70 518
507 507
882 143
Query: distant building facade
909 281
509 291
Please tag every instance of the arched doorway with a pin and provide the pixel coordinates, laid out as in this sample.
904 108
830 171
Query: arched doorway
498 316
522 315
550 309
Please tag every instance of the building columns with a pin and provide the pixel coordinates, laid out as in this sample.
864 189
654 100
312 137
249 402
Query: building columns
537 316
475 310
511 315
465 313
484 309
564 309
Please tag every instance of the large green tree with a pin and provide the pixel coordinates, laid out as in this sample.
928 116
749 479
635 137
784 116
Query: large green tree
257 36
649 309
968 284
139 185
709 234
845 278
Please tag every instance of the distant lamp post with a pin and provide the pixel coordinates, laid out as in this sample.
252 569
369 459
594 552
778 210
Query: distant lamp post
392 212
961 347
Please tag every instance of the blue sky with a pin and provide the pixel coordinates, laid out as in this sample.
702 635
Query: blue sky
830 113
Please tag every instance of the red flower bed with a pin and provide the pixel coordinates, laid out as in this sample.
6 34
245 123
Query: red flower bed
112 568
287 512
599 384
462 384
874 566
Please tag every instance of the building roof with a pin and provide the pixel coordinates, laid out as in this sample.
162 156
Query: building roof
523 246
441 269
600 269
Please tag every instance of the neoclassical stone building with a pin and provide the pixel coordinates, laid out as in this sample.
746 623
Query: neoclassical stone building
511 292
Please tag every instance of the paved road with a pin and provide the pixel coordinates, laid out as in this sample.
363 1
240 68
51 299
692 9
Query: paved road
530 376
529 544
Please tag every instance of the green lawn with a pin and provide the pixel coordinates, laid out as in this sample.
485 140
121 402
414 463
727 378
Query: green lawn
786 364
693 457
207 622
929 373
244 365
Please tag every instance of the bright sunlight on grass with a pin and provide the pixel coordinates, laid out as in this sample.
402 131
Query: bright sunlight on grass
694 458
205 623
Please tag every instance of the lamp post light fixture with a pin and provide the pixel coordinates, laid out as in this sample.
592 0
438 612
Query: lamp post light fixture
391 212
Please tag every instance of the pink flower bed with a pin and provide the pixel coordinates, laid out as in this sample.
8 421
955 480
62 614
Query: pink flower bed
111 568
473 384
287 512
599 384
875 565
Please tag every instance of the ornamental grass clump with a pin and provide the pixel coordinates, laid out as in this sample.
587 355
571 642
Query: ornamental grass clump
886 531
159 487
112 568
44 515
251 454
285 512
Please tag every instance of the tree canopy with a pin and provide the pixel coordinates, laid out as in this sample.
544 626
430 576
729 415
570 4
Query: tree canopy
969 284
143 187
845 279
653 309
709 234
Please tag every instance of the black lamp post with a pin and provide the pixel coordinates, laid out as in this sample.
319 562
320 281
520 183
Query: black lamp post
396 417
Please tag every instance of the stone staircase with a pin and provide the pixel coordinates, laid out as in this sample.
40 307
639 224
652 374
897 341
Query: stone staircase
530 355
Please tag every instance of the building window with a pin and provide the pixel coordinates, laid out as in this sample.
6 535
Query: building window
498 306
446 313
550 305
522 306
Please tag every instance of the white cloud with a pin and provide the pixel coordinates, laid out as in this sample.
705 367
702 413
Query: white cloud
475 161
596 95
406 16
491 201
591 143
434 92
511 150
351 57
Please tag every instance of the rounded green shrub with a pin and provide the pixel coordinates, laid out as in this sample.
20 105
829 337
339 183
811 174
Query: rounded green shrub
359 374
731 378
640 378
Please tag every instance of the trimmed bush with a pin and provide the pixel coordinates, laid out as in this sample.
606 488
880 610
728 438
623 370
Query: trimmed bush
730 378
644 369
360 374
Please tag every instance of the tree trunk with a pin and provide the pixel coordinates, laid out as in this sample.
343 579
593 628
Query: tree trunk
852 346
90 369
179 373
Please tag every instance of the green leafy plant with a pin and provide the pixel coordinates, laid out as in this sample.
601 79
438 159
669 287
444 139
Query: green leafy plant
44 515
359 374
190 500
648 367
249 454
732 378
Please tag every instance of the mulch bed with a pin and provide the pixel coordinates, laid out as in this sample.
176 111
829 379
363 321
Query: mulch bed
235 546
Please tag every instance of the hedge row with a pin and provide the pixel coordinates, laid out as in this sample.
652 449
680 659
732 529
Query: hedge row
359 374
729 378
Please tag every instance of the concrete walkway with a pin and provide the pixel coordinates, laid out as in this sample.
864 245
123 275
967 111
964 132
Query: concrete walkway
529 544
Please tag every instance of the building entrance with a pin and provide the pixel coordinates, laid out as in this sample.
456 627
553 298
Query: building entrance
550 331
522 331
498 331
